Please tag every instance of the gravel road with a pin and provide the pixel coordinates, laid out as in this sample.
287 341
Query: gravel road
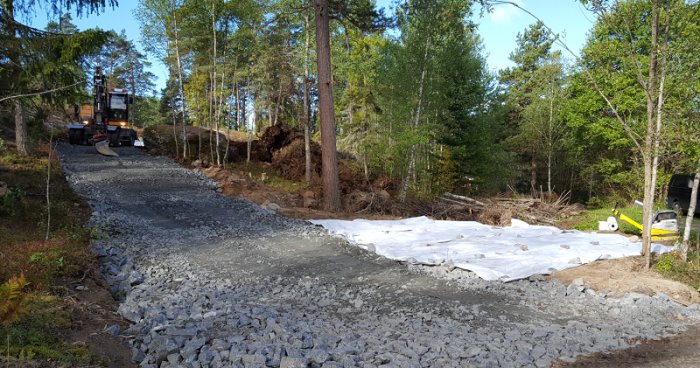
213 281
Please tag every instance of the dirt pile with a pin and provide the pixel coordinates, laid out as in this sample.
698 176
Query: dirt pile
276 137
620 276
375 201
290 160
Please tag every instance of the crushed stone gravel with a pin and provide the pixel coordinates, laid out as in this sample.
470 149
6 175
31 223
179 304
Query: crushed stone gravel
215 281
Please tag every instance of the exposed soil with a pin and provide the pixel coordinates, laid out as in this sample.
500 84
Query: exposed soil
620 276
93 310
300 204
680 351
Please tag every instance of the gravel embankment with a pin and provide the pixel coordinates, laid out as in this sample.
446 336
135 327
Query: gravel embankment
211 281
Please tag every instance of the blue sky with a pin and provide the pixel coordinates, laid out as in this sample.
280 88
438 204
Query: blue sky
497 29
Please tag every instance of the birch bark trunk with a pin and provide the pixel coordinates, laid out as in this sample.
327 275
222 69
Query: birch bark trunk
691 214
412 155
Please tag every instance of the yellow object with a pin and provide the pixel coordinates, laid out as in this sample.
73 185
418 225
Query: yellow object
87 112
656 234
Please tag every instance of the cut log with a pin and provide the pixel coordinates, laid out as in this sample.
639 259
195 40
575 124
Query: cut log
462 199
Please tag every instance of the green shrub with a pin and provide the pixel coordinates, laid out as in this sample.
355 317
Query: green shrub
595 203
665 263
11 201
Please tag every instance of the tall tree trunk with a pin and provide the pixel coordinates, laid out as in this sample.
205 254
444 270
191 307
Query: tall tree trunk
256 111
365 166
307 103
331 191
691 214
132 82
182 88
244 104
277 104
212 87
15 70
550 142
213 82
220 113
177 148
270 117
549 174
20 129
48 186
416 121
237 92
649 153
533 173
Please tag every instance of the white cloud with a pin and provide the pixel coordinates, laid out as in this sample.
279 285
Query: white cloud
504 13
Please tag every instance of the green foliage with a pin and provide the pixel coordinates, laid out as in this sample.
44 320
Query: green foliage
665 263
146 112
23 247
616 60
52 262
596 202
535 90
357 106
670 265
12 200
38 335
438 54
588 220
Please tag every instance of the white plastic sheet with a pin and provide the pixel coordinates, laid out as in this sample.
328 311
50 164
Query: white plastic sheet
493 253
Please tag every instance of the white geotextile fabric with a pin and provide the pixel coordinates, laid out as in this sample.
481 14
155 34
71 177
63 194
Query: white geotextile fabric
493 253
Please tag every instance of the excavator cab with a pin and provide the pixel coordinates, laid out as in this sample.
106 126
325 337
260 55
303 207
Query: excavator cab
117 127
105 121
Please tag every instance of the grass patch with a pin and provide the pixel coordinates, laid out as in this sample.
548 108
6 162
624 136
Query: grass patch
24 251
273 178
588 220
671 266
38 334
23 222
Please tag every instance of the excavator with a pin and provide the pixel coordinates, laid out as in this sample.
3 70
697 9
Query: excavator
104 122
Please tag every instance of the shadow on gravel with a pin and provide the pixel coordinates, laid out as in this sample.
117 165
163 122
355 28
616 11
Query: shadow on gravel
332 261
680 351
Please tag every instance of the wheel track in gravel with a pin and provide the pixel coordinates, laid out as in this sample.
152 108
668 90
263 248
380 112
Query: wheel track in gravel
218 281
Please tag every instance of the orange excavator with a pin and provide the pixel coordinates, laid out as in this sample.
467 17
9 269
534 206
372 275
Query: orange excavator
104 122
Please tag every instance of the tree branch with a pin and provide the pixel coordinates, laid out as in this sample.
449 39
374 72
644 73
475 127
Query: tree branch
41 92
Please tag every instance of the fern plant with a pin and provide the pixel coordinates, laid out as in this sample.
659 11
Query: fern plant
13 300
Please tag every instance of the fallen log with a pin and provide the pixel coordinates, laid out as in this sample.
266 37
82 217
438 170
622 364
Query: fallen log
464 199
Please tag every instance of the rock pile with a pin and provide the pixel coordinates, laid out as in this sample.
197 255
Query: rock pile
211 281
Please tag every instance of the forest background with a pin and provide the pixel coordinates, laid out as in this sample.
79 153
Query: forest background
413 99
